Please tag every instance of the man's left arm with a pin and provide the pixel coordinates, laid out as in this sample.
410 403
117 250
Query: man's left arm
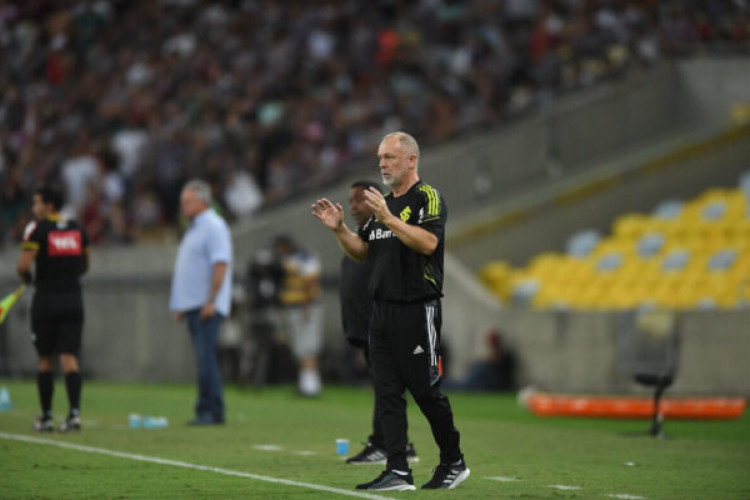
220 254
217 279
414 237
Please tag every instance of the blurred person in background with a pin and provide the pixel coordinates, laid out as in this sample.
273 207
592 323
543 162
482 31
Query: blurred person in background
201 293
301 310
229 343
14 203
80 173
496 372
114 190
264 279
58 248
356 306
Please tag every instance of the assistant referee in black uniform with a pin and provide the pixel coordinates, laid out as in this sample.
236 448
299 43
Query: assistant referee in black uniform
59 249
404 242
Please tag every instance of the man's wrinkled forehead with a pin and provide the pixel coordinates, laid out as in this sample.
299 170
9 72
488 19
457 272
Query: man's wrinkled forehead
392 146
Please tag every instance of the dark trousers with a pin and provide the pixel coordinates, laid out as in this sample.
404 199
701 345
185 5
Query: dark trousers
376 438
204 335
404 343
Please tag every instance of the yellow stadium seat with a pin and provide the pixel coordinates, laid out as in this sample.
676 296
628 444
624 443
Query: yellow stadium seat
737 205
743 292
691 211
584 300
715 194
741 232
573 272
549 297
623 299
545 261
607 246
727 301
495 276
674 229
630 226
732 201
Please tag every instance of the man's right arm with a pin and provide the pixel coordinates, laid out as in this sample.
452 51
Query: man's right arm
333 217
29 249
350 242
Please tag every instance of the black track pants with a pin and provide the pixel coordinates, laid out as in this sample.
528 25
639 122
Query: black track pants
404 340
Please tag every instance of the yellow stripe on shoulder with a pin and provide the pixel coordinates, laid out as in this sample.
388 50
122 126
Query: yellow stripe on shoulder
433 198
29 245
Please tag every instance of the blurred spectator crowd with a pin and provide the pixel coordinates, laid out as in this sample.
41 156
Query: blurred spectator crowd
121 101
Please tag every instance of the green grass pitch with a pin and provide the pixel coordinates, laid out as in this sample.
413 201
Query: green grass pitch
701 459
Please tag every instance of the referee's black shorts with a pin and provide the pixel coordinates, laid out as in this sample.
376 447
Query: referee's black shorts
57 322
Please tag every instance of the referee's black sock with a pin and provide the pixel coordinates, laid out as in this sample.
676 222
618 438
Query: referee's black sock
45 384
73 384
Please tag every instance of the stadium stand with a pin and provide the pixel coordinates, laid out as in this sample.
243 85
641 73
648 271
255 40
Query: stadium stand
121 101
681 256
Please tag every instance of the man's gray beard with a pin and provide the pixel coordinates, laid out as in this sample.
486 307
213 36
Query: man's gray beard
388 181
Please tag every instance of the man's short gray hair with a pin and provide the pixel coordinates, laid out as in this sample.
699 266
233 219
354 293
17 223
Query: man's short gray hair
202 190
406 140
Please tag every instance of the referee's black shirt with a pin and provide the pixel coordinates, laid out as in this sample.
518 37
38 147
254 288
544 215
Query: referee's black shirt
61 245
399 273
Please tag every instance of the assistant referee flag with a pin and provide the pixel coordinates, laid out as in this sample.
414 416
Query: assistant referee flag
9 301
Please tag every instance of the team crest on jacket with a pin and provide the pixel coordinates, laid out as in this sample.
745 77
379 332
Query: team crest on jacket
405 214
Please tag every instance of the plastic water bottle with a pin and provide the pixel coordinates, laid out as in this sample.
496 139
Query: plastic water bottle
154 422
135 421
5 403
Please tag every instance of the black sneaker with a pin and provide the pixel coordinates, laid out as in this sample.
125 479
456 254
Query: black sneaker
371 455
389 481
43 424
375 455
411 453
72 423
448 476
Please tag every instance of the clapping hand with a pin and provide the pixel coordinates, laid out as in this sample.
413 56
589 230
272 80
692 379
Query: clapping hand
376 202
329 214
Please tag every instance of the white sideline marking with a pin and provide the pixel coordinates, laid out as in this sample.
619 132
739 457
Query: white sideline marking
186 465
625 496
305 453
502 479
268 447
563 487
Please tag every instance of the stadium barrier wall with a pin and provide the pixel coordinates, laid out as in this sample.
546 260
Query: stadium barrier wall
578 352
714 85
581 352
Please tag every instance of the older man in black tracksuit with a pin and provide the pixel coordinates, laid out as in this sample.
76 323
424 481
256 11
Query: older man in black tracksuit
356 307
404 242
